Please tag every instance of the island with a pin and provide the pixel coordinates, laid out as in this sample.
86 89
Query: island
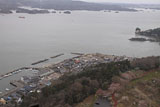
53 11
151 33
34 11
67 12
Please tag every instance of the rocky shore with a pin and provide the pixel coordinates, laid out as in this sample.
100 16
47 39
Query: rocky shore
142 39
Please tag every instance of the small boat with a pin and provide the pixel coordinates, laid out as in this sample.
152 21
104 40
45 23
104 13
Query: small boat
22 17
10 74
0 92
7 89
19 70
5 76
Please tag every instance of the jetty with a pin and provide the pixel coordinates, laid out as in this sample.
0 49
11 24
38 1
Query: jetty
38 62
57 55
13 72
75 53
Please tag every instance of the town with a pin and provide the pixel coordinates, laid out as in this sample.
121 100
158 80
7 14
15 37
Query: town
45 75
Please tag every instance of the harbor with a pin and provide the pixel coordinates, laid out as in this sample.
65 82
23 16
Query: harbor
11 73
14 72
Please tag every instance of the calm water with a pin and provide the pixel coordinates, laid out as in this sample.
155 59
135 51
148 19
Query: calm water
23 41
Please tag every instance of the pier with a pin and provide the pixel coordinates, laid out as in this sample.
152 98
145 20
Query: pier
57 55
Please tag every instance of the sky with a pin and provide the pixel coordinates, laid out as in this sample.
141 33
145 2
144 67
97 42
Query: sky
127 1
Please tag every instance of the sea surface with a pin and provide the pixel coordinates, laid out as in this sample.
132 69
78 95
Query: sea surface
40 36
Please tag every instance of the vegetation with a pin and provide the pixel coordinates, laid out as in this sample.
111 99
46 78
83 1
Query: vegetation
142 92
146 63
155 33
71 88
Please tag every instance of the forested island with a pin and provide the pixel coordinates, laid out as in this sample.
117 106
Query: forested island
151 33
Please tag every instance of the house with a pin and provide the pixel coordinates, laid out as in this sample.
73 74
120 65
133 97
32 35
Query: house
25 79
2 101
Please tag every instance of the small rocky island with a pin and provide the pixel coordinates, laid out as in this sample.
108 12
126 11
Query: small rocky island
152 34
67 12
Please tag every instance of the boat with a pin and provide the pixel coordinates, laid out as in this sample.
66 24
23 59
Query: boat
22 17
10 74
7 89
5 76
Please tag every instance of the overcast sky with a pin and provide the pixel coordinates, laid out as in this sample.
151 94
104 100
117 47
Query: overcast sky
127 1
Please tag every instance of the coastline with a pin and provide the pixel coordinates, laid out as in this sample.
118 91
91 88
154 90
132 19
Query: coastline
54 71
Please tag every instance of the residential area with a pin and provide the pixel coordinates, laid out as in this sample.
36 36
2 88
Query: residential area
45 75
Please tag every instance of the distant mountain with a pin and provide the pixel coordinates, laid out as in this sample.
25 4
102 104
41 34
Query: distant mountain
61 5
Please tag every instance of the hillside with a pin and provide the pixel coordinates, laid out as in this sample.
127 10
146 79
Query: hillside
140 92
119 81
71 89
